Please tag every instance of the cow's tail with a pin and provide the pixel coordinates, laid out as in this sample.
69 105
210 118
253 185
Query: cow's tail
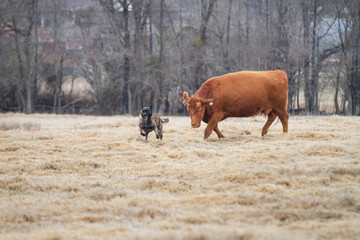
164 120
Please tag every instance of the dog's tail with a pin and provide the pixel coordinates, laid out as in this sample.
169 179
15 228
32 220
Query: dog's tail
164 120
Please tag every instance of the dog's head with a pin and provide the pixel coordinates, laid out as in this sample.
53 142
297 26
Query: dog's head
146 112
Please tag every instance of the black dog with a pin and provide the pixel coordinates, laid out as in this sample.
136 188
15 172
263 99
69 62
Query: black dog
148 123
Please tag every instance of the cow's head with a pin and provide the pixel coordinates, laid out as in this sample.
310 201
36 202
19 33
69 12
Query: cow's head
196 108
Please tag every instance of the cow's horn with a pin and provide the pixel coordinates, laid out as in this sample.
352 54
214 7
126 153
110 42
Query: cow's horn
207 101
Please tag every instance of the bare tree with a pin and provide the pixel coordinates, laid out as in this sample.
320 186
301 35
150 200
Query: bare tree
200 71
57 58
21 28
313 12
352 54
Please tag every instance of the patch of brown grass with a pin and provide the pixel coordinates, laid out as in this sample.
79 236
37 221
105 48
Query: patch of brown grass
28 126
81 177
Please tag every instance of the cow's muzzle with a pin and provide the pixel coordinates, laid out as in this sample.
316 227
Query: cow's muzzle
195 125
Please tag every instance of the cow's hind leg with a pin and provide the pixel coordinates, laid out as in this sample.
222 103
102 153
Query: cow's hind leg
271 118
219 134
284 117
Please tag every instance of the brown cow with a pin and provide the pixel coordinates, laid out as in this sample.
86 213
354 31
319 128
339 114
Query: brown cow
239 94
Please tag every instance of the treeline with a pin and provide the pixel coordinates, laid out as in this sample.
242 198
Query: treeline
142 52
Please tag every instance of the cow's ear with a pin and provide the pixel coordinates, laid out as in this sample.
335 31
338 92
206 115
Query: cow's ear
207 101
186 97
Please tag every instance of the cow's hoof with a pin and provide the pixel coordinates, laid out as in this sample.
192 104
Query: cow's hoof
206 135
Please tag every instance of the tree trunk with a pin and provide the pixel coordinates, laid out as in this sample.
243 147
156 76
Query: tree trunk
298 89
310 82
306 24
200 73
150 47
355 69
127 67
36 54
336 95
159 81
28 80
21 82
60 79
227 47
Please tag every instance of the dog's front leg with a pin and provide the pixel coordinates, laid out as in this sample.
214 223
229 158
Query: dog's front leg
142 132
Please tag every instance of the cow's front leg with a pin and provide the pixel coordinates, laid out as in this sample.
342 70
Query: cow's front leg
218 132
212 125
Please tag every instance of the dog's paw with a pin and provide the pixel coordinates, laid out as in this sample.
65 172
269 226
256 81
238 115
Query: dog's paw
143 134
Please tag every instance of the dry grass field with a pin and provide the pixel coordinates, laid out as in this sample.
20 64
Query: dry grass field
87 177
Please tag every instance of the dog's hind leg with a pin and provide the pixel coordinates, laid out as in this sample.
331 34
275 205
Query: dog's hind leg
159 133
156 130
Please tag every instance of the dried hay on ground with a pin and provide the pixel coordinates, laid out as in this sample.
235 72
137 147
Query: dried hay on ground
86 177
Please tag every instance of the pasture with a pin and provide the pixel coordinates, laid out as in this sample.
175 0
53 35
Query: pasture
88 177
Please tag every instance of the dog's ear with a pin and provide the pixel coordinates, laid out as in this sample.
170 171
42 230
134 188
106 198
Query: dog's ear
151 107
142 106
